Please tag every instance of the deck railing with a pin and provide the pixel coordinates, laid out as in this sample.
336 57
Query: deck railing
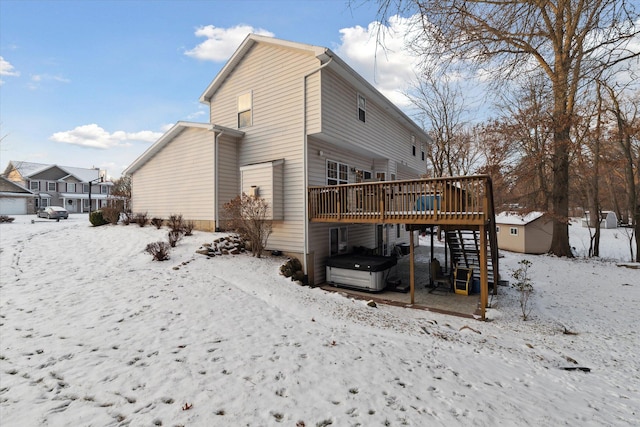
456 200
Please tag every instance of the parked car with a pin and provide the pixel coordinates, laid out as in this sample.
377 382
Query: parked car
53 212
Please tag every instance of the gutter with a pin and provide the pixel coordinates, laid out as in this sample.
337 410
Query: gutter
216 205
306 165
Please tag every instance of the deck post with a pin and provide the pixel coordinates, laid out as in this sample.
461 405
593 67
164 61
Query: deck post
484 276
412 271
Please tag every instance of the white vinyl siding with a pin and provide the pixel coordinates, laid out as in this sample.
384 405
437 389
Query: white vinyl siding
228 172
381 134
265 180
274 75
179 179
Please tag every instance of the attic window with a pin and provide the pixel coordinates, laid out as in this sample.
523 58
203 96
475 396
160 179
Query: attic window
244 110
362 108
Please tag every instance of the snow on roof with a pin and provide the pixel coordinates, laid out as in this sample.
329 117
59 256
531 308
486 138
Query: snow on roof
514 218
28 169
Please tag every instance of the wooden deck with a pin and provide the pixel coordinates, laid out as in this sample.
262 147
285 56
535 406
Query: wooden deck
453 203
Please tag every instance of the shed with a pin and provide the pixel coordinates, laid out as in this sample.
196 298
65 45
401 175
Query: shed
608 219
529 234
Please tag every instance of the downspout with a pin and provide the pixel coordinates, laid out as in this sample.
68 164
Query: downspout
305 164
216 172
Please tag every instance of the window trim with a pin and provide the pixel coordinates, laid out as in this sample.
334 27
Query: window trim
249 110
71 185
49 184
85 188
340 167
513 231
104 189
362 109
37 185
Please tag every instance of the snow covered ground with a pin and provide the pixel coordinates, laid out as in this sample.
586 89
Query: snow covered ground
93 332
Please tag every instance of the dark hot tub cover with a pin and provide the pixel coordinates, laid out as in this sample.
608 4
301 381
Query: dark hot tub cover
370 263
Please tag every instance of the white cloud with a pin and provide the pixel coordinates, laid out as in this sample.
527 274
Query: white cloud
38 79
220 43
6 69
391 68
93 136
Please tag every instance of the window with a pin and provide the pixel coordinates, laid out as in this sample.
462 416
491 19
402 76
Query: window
422 150
71 187
34 185
44 202
85 188
413 150
513 231
362 108
497 228
104 189
363 175
338 237
244 110
397 231
381 176
51 186
337 173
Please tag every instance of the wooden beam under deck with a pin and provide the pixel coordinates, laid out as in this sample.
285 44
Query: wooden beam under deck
454 202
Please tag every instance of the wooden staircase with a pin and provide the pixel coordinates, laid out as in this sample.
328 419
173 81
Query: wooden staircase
464 247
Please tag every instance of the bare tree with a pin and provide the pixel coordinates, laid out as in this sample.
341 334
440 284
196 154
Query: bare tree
568 39
440 108
627 136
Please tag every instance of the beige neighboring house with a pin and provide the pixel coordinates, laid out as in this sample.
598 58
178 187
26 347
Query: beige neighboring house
54 185
14 198
284 116
527 234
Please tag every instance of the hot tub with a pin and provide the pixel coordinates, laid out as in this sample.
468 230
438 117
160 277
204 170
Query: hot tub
365 272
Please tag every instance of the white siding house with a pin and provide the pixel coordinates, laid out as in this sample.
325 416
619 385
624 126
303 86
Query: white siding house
283 116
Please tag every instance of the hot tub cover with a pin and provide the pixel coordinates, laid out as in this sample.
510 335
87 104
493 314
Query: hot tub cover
362 262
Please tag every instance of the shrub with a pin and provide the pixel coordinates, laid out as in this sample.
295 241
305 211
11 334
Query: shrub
524 286
97 219
159 250
175 222
5 218
174 237
127 218
142 219
157 222
111 214
247 215
188 227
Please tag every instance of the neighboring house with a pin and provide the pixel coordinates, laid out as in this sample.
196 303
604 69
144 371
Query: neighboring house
284 116
528 234
54 185
15 199
608 219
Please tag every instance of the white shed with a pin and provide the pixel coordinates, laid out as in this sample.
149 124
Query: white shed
608 219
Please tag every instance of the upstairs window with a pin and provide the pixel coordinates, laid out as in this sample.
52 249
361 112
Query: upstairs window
362 108
244 110
71 187
34 185
337 173
104 189
51 186
85 188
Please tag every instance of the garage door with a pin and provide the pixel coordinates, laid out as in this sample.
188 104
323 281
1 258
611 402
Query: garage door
13 205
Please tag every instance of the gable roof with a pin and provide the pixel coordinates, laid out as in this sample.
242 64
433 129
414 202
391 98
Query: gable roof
8 187
514 218
324 56
169 135
30 169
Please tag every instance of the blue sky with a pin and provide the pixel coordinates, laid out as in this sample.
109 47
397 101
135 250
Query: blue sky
93 83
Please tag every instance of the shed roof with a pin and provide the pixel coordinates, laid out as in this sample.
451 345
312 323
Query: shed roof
515 218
